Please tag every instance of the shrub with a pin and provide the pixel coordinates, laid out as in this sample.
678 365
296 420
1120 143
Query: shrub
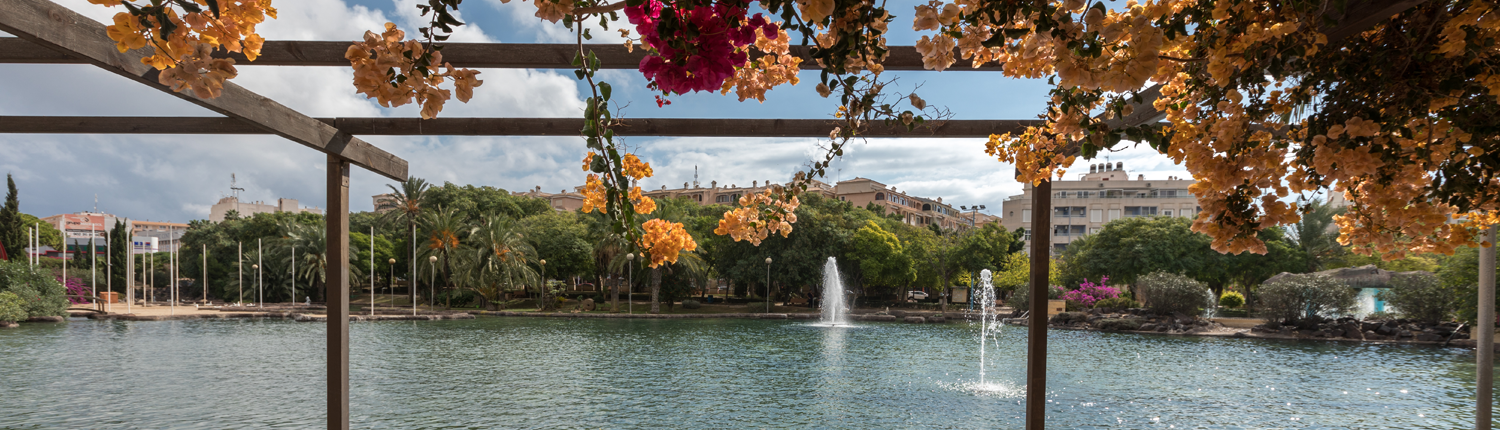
692 304
1421 297
1295 297
1169 293
40 294
1232 299
1117 303
1089 293
12 309
755 307
1021 299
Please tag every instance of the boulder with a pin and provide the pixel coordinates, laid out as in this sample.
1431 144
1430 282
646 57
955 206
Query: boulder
1273 325
937 319
1403 333
8 324
1386 330
1369 326
1162 328
1352 330
1288 331
1428 337
1119 324
915 319
898 313
1069 318
52 319
1147 327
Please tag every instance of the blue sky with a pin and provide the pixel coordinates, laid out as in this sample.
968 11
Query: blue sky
177 178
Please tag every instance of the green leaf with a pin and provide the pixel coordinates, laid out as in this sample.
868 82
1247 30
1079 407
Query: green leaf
605 90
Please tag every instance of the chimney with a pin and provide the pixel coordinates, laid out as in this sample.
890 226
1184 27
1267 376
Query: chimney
1093 168
754 184
1120 165
714 184
1140 177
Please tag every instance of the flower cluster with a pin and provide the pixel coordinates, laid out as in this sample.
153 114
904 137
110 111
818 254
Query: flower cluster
775 68
1089 293
696 48
664 240
183 40
394 71
758 216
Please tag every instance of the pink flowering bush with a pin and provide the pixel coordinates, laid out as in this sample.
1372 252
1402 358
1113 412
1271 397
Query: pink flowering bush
698 46
75 288
1089 293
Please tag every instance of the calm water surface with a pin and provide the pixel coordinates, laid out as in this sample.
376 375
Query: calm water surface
657 374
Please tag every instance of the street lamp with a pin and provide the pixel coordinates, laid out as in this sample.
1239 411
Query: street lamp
629 283
973 214
432 279
258 298
544 278
768 284
391 284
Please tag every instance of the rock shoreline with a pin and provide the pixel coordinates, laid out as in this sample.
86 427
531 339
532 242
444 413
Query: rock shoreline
892 316
272 315
1400 332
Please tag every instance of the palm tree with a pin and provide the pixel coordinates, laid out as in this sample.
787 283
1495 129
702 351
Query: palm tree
609 254
503 256
691 266
409 199
1316 234
311 243
446 231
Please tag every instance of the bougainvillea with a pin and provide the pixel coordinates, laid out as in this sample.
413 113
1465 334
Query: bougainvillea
182 33
1089 293
696 47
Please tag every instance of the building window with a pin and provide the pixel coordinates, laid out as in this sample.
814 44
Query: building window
1134 211
721 199
1025 215
879 196
1012 213
1096 215
1166 213
1114 214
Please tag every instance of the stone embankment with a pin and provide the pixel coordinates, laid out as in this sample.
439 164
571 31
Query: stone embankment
1342 329
295 316
880 316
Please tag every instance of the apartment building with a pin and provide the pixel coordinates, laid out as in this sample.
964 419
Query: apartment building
562 201
913 210
221 209
1106 193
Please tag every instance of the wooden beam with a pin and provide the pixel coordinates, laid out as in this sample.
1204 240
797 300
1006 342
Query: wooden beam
336 291
470 55
62 30
685 127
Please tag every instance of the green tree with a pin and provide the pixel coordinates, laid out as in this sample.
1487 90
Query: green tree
879 255
11 236
445 236
1316 237
410 202
360 260
504 260
1460 276
562 239
1128 248
51 237
119 256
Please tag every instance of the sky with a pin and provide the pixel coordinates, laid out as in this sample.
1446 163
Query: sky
177 178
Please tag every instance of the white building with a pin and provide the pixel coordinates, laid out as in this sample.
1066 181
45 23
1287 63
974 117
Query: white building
245 209
1105 194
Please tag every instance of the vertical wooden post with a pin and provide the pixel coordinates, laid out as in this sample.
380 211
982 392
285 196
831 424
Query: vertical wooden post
1485 345
338 293
1041 258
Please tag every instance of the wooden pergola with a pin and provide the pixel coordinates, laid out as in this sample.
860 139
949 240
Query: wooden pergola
52 34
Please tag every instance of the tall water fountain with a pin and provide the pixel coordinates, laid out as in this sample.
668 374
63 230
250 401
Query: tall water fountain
835 312
989 320
1211 308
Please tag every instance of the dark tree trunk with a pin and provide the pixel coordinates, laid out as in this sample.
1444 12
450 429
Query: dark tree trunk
655 290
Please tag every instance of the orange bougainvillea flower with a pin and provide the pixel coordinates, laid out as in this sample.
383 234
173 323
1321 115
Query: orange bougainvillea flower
663 240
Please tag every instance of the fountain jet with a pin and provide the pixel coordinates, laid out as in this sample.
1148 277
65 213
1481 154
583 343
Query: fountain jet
835 312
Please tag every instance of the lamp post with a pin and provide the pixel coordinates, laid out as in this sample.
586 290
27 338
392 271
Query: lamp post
768 285
391 282
630 284
544 278
240 250
294 276
431 280
258 298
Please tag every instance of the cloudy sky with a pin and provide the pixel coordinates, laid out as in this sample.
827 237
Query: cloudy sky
177 178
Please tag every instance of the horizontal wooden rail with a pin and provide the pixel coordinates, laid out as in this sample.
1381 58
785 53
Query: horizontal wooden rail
684 127
471 55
